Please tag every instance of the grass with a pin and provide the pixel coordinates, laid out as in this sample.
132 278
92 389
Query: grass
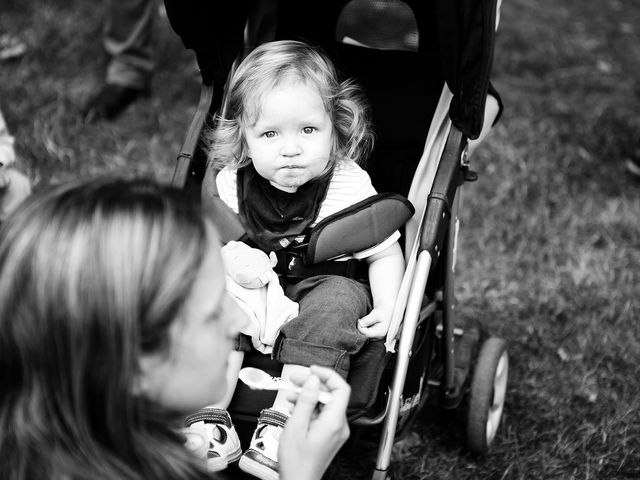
43 92
550 249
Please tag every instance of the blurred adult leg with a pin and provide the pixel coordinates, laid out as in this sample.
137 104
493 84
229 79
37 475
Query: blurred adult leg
127 39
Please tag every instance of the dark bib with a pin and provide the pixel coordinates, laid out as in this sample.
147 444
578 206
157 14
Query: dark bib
274 218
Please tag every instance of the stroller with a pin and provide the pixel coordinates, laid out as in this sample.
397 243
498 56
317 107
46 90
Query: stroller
428 92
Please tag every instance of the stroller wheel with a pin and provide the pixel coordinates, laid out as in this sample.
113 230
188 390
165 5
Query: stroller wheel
487 394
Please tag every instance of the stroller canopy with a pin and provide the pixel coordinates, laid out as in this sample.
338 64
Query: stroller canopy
460 32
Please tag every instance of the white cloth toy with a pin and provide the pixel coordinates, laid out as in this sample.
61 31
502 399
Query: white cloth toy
256 288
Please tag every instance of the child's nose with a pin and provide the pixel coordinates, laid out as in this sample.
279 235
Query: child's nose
291 147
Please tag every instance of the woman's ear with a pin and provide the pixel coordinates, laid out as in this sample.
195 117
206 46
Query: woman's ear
138 386
149 375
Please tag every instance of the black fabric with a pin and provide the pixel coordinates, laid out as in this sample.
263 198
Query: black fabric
292 268
274 218
403 96
213 30
402 87
466 30
460 32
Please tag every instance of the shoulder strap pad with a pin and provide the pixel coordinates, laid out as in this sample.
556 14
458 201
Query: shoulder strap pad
361 226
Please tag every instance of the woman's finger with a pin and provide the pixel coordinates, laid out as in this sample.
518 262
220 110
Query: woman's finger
305 406
299 377
339 388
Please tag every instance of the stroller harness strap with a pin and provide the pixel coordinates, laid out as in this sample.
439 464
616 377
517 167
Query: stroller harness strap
292 268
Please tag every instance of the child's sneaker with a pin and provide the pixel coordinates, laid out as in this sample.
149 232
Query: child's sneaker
261 458
213 427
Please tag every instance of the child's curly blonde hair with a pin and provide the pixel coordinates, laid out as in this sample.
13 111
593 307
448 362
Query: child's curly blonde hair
269 66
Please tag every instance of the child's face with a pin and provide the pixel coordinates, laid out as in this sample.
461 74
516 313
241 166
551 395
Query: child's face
290 143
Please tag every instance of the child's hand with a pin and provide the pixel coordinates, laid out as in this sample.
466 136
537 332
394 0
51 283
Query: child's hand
376 323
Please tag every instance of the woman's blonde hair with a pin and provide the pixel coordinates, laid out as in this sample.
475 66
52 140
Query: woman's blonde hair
92 275
271 65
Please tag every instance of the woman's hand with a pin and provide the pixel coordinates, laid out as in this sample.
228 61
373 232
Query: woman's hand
314 433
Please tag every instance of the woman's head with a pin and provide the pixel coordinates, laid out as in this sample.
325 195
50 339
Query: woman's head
101 289
276 65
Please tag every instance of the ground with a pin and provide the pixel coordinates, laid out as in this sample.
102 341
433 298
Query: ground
550 244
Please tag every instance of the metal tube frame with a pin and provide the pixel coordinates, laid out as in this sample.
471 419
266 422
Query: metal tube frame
187 152
411 318
449 305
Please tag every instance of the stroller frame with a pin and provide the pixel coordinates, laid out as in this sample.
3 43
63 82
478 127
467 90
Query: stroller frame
430 250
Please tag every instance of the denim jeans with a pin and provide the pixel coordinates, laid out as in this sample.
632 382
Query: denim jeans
326 331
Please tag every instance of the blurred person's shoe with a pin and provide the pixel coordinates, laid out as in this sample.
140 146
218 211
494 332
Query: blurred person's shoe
11 47
633 165
111 101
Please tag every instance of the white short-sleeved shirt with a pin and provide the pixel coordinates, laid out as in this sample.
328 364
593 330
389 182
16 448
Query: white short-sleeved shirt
349 184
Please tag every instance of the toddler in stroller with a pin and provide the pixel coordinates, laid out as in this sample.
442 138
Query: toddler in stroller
287 145
426 126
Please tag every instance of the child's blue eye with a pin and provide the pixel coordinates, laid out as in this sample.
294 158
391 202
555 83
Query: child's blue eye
269 134
308 130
